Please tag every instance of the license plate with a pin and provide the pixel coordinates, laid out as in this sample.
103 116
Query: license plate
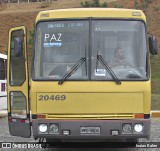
90 130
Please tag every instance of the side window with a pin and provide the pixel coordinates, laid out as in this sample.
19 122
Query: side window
2 69
17 62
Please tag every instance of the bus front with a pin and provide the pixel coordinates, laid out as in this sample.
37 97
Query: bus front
83 86
90 76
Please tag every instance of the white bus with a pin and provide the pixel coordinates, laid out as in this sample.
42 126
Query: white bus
3 86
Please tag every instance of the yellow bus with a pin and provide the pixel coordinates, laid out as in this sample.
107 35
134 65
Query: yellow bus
90 76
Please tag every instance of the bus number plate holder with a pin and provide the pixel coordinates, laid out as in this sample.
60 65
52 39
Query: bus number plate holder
90 130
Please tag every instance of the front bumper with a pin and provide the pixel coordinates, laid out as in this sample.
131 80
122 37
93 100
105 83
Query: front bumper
106 127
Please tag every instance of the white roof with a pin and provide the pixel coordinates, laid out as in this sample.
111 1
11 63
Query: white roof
3 56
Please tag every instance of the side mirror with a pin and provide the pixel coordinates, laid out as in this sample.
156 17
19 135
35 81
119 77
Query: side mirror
153 45
18 47
17 42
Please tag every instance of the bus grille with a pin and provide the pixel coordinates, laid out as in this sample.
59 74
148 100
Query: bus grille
89 116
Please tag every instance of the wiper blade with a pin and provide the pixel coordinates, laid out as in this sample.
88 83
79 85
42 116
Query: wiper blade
108 68
72 70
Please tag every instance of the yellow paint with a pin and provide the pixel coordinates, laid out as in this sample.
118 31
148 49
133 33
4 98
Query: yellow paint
90 12
92 103
90 116
24 87
92 98
88 99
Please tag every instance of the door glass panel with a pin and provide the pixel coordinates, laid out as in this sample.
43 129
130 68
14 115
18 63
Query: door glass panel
18 105
17 62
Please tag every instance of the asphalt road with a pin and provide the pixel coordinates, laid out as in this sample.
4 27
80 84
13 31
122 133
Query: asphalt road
6 137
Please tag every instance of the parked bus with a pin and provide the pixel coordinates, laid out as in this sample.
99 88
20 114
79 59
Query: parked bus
3 76
90 78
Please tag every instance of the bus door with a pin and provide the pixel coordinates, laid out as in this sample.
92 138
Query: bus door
17 84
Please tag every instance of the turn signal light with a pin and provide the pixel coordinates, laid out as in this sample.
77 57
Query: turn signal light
41 116
138 115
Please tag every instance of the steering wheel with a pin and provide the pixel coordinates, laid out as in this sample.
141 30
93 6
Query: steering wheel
134 76
127 71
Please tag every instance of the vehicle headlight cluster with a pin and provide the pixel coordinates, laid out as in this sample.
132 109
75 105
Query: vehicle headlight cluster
127 128
52 128
43 128
138 128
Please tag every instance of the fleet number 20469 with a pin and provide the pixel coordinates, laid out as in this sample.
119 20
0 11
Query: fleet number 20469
52 97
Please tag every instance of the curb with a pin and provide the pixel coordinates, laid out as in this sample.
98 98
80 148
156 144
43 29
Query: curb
3 113
155 114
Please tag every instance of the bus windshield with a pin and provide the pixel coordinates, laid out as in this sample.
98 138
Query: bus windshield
121 44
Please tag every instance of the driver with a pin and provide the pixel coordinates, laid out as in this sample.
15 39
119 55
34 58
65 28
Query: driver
119 58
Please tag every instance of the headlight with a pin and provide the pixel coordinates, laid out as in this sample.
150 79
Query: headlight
127 128
42 128
138 128
54 128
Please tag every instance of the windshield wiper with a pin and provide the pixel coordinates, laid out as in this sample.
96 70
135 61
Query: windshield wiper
108 68
72 70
